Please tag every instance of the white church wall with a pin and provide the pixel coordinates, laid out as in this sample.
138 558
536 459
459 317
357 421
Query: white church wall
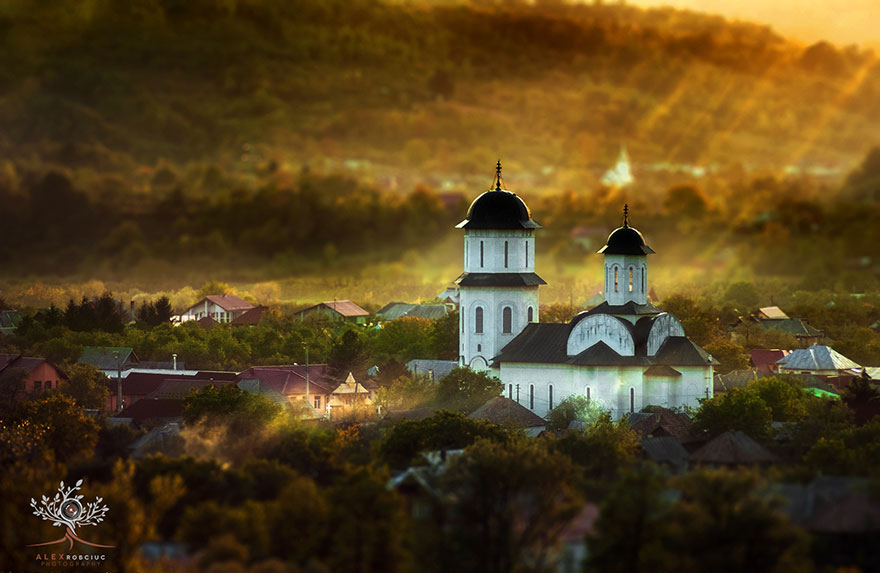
488 344
600 328
617 292
520 251
609 386
664 326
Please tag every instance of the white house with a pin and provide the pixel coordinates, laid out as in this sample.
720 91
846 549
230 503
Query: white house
625 353
222 308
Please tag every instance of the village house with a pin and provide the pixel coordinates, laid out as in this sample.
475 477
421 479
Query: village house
221 307
37 374
774 318
395 310
335 310
111 360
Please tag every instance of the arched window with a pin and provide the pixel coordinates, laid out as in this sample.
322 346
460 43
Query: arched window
510 391
531 396
643 278
550 395
531 314
632 400
481 253
506 250
630 279
588 392
616 282
478 320
506 320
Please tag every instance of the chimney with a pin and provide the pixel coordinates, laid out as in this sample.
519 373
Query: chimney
174 361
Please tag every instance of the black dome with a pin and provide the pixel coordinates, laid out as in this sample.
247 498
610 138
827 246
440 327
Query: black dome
498 209
625 241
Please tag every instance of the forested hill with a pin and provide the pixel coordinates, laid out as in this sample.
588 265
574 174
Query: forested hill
402 91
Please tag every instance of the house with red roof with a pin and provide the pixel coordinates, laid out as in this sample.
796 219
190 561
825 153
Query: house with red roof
221 307
37 374
764 360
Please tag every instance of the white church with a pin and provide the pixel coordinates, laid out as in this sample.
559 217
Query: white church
625 353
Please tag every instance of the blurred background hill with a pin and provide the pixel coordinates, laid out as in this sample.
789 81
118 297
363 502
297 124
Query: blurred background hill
169 140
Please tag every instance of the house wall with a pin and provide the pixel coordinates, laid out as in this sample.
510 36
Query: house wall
609 385
43 374
215 311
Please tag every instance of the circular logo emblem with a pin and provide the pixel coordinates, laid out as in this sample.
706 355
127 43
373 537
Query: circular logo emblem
71 509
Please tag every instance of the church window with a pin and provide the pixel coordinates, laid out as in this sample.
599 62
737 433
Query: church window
531 314
588 392
479 347
506 320
506 249
643 279
527 253
632 400
531 396
510 391
615 280
550 395
478 320
630 279
481 253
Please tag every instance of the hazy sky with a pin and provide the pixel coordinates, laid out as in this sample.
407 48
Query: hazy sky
840 21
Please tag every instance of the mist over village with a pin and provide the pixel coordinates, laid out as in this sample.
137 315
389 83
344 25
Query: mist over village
437 285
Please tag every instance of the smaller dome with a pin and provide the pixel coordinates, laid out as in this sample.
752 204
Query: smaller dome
626 240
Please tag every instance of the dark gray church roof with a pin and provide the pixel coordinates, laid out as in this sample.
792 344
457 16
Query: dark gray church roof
547 344
627 308
499 280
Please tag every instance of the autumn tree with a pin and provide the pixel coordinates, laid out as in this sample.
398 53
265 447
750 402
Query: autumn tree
86 385
465 390
738 409
69 433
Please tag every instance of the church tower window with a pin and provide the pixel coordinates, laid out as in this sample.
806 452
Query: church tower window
506 320
550 395
506 250
478 320
630 279
531 314
481 254
616 281
632 400
527 253
531 396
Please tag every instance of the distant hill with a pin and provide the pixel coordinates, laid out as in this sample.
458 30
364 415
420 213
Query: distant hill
420 91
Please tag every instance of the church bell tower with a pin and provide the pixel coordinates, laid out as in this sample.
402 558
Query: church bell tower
499 287
626 265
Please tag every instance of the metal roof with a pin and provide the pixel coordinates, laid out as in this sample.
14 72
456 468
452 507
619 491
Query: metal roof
508 413
104 356
816 357
732 448
499 280
395 310
227 302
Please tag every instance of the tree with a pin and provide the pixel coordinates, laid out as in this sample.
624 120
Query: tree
442 431
12 388
69 433
784 398
85 384
444 337
509 504
602 449
743 296
239 411
348 354
573 408
464 390
559 312
404 339
739 409
406 392
727 356
156 312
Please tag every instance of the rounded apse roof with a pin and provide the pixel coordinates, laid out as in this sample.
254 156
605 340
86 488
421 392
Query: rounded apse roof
498 209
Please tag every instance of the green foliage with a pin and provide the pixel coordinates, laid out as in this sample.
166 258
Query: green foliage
69 434
155 312
404 339
573 408
464 390
784 398
349 354
511 501
104 314
602 450
738 409
238 410
851 451
559 312
406 393
85 384
727 356
442 431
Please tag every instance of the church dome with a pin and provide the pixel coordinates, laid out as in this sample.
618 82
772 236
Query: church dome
626 240
498 209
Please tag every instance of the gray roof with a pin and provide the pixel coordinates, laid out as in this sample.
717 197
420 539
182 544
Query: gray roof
395 310
795 326
440 368
665 450
732 448
499 280
628 308
816 357
508 413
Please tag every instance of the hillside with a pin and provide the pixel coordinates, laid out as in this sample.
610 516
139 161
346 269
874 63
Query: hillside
419 91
